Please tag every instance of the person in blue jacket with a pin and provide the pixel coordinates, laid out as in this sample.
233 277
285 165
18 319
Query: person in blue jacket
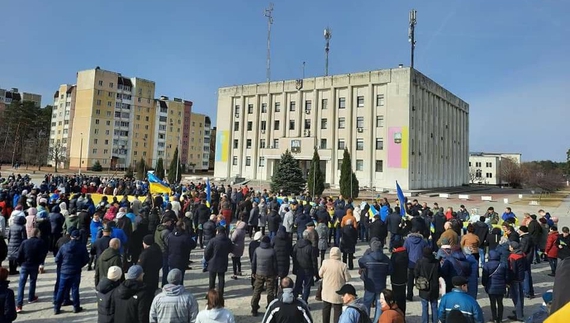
355 308
414 244
71 258
458 299
494 279
375 267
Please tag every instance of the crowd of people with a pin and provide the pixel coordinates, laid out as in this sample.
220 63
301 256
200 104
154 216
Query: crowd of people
440 256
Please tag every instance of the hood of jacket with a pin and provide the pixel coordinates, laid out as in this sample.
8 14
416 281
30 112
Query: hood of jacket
493 255
106 285
481 224
281 232
335 253
129 288
265 245
303 243
415 238
109 253
216 314
241 225
173 290
20 219
288 297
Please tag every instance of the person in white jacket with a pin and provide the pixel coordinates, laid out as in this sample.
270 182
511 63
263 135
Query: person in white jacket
174 303
215 311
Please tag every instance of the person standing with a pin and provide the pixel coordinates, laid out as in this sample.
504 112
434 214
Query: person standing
283 248
414 244
494 279
238 239
349 238
216 255
9 314
393 224
264 271
428 268
334 274
481 230
535 231
399 278
71 258
105 293
30 256
458 299
215 311
174 303
323 233
354 309
132 300
16 235
517 267
287 308
390 311
180 244
305 266
148 262
110 257
161 239
552 250
527 247
375 267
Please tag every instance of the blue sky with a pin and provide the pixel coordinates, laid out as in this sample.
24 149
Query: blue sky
507 59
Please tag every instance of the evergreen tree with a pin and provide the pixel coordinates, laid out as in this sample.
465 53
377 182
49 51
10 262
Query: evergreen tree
97 167
287 176
141 169
159 169
173 175
129 173
316 179
348 181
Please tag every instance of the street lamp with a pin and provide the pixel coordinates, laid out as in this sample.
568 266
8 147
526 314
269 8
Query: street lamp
80 154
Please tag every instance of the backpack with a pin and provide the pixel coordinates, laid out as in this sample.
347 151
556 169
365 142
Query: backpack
363 316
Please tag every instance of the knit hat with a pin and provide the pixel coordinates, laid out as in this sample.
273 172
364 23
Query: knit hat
148 239
257 236
265 239
32 211
174 276
134 272
75 234
114 273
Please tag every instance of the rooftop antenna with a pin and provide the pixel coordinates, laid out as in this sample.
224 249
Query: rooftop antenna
269 14
328 36
303 70
411 34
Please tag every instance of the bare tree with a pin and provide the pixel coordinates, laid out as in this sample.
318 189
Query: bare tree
547 180
511 172
56 153
475 175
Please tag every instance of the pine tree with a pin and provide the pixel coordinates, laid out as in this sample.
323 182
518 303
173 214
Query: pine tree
174 176
348 180
97 167
288 176
141 169
159 169
129 172
316 179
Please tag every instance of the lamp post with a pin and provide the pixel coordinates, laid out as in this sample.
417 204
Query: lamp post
80 154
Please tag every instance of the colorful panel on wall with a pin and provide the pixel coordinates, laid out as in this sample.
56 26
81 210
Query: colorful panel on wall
398 146
222 145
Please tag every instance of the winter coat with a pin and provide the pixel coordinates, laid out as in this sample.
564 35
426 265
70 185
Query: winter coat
8 315
527 247
273 221
334 274
454 265
30 224
202 213
301 222
209 231
563 245
391 314
482 232
105 304
132 302
288 220
535 231
71 257
472 280
3 250
151 262
253 217
451 236
517 267
393 223
110 257
173 304
180 243
459 300
377 267
16 235
471 241
161 237
238 239
100 245
215 315
254 244
494 238
216 253
262 214
349 216
56 220
264 261
414 244
71 222
494 277
323 232
32 253
44 226
551 247
428 267
348 239
303 257
399 260
283 248
287 308
378 229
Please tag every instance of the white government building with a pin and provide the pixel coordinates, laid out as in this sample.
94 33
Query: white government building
397 124
485 168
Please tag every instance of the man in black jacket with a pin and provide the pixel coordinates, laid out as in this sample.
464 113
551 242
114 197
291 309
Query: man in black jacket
216 255
393 222
132 299
516 274
527 247
30 256
482 232
305 266
535 231
287 308
399 278
202 215
148 260
105 293
378 229
264 270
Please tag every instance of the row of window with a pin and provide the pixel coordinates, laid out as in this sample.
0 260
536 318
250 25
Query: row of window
478 164
378 165
479 174
324 124
323 144
53 124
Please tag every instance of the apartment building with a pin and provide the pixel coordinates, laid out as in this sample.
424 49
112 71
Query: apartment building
13 95
485 168
200 134
172 130
398 125
61 121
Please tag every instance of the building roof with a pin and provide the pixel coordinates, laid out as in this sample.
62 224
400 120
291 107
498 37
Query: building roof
56 94
124 81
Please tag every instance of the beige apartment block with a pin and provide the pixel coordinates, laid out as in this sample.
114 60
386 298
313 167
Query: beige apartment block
200 135
61 121
485 168
172 129
14 95
398 125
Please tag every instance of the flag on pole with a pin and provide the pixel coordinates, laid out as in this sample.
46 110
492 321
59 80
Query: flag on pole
208 193
156 186
402 199
372 212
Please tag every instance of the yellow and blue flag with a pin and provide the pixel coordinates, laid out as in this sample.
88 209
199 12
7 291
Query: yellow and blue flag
208 193
402 199
156 186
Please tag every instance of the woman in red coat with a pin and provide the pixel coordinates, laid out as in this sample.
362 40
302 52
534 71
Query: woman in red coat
552 249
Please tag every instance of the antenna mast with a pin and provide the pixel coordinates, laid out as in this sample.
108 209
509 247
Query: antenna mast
411 34
269 14
328 36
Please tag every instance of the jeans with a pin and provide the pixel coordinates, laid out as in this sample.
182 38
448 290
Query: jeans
411 278
517 295
528 287
425 310
164 269
370 297
67 282
337 310
221 281
496 307
363 231
482 256
236 264
24 273
553 262
337 237
303 283
394 238
272 235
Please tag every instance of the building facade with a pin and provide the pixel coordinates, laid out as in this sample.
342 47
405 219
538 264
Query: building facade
485 168
397 124
13 95
61 121
199 152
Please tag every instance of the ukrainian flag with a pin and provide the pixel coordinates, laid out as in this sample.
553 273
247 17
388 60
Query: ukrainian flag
208 193
156 186
372 212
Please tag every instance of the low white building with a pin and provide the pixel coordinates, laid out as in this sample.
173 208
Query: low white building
485 168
